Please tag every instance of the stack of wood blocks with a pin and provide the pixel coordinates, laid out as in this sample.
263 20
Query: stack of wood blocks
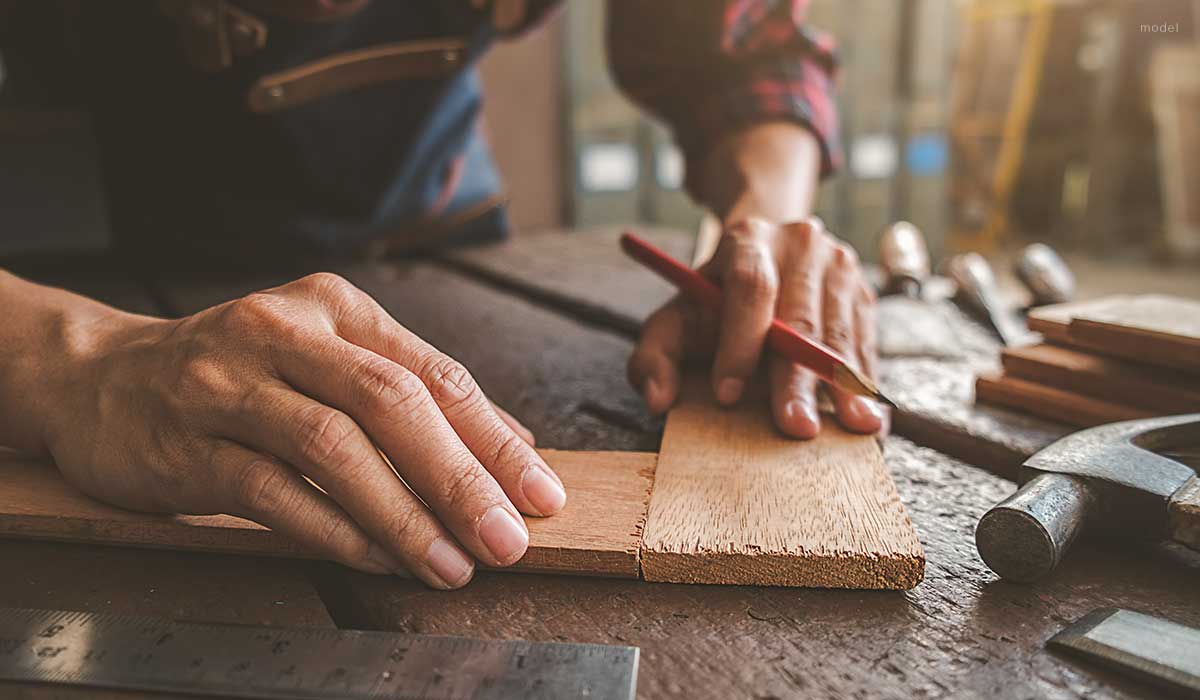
1105 360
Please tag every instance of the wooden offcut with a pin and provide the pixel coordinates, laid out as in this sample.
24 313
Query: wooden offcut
1054 321
1117 381
1152 329
1053 403
598 533
736 502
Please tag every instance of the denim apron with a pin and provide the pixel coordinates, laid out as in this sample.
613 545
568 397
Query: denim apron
201 164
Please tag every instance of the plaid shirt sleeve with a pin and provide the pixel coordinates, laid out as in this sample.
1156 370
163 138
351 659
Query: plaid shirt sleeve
711 67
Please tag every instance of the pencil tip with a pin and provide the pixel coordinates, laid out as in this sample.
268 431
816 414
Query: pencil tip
883 399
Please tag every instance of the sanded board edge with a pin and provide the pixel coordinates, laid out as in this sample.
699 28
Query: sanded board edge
735 502
597 534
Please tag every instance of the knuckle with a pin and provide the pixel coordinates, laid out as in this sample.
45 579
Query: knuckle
450 383
753 278
838 335
325 282
804 325
324 435
253 311
261 487
845 255
508 449
463 487
404 528
389 387
339 536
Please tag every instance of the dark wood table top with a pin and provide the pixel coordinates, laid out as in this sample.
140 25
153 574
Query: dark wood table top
546 324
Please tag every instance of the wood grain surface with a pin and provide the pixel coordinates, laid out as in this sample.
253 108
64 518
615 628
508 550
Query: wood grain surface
1153 329
597 534
1053 403
1054 321
735 502
961 633
1109 379
583 273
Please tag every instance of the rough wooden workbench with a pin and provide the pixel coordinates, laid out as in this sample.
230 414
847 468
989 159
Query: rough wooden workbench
545 325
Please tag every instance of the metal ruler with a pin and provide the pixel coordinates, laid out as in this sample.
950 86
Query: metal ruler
141 653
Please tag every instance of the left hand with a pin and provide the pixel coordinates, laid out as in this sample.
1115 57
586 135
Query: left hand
796 271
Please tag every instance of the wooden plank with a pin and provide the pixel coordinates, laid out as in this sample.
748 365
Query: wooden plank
735 502
961 633
582 272
1053 321
1152 328
1052 403
597 534
1116 381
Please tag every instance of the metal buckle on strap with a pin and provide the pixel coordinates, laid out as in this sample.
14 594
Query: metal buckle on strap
354 69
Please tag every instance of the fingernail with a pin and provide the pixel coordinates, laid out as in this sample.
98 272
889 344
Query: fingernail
804 412
381 561
449 562
651 391
543 490
865 406
729 390
504 537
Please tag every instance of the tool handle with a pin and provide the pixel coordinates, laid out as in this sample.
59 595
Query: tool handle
782 339
1025 536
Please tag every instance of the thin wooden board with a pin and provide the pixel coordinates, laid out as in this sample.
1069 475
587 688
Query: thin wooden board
1054 321
1051 403
1152 328
1109 379
597 534
735 502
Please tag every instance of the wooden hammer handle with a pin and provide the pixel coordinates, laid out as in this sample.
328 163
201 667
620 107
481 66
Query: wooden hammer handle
1183 512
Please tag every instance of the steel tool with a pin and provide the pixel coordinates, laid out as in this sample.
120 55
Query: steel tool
1134 478
1045 274
140 653
977 290
905 259
1147 647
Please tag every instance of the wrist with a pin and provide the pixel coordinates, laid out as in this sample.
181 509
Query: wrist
54 340
768 170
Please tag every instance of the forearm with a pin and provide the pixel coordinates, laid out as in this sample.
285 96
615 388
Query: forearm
769 171
46 331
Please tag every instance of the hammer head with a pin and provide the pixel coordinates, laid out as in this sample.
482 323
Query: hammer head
1113 479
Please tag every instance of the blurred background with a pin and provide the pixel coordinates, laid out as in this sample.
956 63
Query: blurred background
987 123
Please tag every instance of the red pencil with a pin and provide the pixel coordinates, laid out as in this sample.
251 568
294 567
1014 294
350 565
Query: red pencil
826 363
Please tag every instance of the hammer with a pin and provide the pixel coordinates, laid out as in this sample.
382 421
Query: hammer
1131 478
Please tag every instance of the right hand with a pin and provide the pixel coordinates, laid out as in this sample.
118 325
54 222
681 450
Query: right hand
271 407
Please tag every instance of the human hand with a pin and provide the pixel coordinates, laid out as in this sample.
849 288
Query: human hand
797 272
271 406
